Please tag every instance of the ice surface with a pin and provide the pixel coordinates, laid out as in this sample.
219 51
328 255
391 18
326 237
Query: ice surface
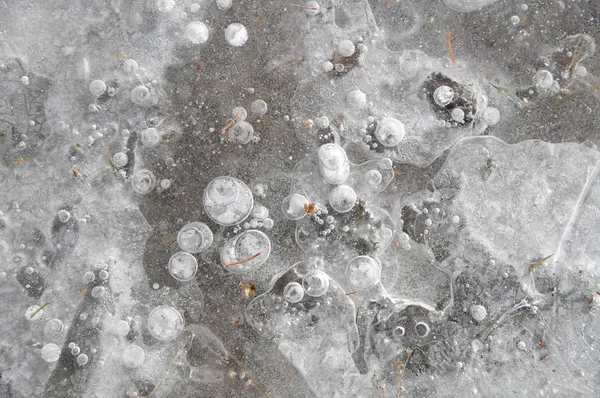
333 198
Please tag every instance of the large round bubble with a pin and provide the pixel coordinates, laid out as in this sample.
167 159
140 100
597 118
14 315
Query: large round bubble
342 198
363 272
245 251
165 323
315 283
390 131
228 201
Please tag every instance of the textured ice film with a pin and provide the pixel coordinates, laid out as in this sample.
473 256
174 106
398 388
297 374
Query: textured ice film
330 198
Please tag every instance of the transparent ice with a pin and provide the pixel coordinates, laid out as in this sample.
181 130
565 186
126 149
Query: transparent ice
350 198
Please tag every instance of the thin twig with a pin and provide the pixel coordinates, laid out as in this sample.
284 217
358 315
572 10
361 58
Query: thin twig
252 257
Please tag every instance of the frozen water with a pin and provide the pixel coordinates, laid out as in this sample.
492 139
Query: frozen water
354 198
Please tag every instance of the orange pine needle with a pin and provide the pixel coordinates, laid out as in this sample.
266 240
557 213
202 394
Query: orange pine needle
450 50
305 7
351 292
224 129
284 63
252 257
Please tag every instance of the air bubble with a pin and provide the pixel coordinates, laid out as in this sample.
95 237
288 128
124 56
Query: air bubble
346 48
143 181
195 237
363 272
422 329
197 32
165 323
122 328
39 315
97 88
315 283
120 159
50 352
312 8
64 216
478 312
390 132
130 66
293 292
342 198
224 4
398 331
242 132
333 163
249 250
443 95
357 99
54 327
141 96
228 201
82 359
293 207
490 116
236 34
150 137
259 107
543 79
326 66
183 266
133 356
165 6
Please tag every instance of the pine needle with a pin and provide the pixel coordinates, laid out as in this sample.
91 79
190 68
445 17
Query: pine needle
252 257
508 94
224 129
305 7
110 159
533 266
249 372
38 310
166 372
449 41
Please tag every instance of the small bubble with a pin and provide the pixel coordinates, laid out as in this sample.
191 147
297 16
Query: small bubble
82 359
64 216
